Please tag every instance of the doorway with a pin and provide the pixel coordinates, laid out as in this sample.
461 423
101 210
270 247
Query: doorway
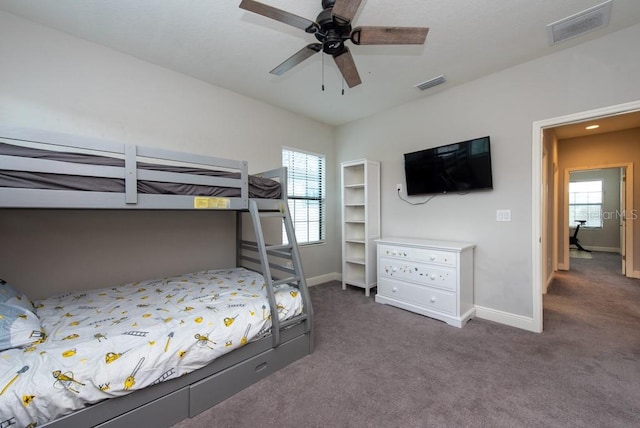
544 175
593 217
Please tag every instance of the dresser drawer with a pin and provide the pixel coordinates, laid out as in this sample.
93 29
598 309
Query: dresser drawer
418 254
435 256
420 295
422 273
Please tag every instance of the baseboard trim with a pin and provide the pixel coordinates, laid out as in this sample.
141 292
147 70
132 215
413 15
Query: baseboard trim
321 279
513 320
507 318
603 249
548 283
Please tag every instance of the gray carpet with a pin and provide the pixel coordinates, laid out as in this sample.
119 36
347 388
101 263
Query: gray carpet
379 366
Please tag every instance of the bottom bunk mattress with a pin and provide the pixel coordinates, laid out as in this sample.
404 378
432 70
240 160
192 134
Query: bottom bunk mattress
109 342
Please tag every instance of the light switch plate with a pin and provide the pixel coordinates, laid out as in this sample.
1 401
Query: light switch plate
503 215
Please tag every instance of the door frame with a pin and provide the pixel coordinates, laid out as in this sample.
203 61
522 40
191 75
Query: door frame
626 168
624 193
538 251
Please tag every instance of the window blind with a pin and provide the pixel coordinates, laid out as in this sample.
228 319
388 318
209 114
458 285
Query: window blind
306 193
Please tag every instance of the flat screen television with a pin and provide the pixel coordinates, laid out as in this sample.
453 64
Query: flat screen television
460 167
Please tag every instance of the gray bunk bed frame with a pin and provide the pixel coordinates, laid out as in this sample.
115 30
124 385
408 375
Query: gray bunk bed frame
169 402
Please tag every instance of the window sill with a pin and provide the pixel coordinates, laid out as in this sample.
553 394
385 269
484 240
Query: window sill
311 244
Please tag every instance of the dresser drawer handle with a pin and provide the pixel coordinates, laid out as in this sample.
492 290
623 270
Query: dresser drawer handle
433 299
394 289
433 277
432 258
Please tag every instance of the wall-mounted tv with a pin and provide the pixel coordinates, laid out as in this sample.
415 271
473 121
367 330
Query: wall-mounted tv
460 167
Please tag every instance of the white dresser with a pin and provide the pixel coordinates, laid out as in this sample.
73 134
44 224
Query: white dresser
432 278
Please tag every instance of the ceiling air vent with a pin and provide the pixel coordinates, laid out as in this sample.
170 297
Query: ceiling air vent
580 23
431 83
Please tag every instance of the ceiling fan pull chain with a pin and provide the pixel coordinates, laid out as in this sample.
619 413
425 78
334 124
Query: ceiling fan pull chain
343 86
322 73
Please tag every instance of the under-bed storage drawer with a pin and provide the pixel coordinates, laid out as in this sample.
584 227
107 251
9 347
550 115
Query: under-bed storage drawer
161 405
210 391
164 412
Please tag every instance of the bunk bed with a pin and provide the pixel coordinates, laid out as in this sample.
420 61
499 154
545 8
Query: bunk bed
264 299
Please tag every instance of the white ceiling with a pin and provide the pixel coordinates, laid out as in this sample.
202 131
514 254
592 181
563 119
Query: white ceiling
217 42
613 123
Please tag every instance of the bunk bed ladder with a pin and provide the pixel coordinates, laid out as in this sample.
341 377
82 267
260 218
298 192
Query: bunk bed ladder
293 268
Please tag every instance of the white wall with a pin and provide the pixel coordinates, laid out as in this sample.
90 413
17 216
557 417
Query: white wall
503 105
53 81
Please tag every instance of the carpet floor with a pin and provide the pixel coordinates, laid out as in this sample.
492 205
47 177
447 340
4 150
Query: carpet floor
379 366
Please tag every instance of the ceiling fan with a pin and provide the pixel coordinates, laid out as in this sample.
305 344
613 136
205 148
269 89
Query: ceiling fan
332 28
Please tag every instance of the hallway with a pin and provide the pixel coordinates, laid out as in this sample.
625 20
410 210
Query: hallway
594 294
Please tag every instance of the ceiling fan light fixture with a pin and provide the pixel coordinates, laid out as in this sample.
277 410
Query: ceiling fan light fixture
332 29
438 80
580 23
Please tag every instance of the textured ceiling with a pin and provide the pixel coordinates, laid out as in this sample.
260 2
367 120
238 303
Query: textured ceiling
217 42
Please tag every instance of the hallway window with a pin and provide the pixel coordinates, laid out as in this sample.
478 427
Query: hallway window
585 203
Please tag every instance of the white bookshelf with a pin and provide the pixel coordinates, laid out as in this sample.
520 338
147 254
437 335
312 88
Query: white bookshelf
360 222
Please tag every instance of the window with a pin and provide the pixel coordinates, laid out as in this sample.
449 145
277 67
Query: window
306 193
585 203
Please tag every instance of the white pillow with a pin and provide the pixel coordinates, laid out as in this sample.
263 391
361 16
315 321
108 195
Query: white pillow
19 325
11 296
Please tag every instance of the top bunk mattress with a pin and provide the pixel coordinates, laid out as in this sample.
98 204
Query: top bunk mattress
109 342
259 187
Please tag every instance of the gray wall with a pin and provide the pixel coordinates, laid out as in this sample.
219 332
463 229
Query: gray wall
503 105
51 251
53 81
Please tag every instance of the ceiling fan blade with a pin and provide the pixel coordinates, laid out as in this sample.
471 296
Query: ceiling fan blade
297 58
389 35
345 10
348 68
279 15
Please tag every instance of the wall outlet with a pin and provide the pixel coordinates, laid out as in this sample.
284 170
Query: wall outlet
399 187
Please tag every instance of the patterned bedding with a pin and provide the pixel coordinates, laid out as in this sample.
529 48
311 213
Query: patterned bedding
108 342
